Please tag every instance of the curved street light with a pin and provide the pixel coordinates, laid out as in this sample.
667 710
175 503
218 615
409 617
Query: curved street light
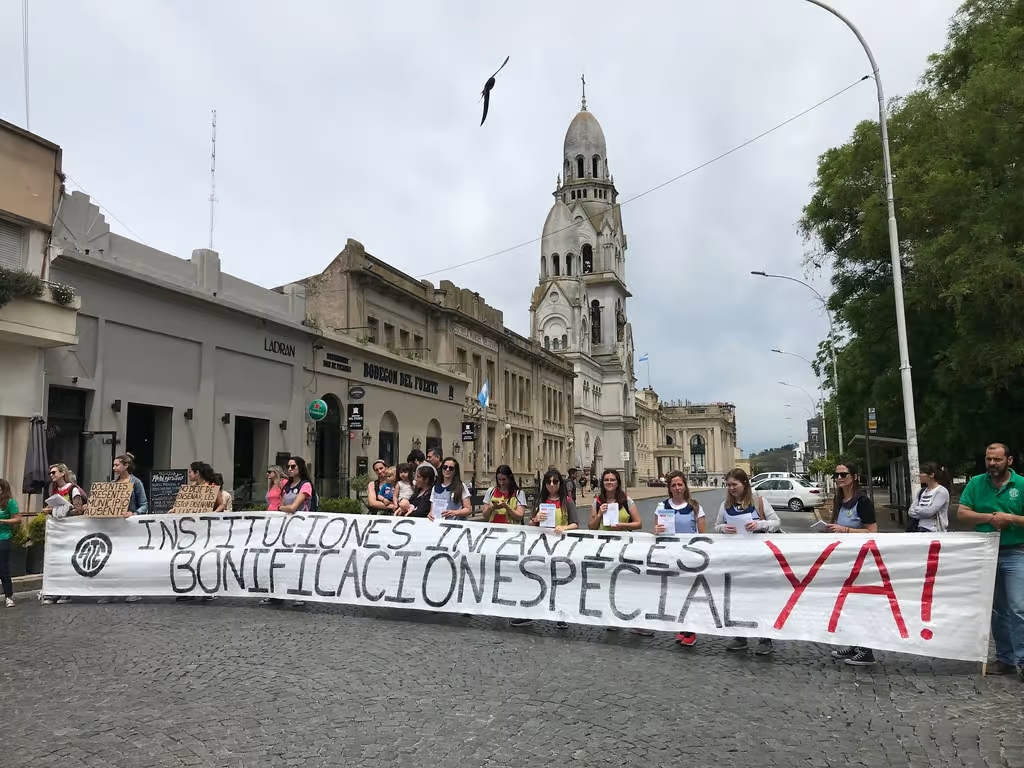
909 416
821 391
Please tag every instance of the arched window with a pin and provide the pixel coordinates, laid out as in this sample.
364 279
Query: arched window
595 322
697 454
588 259
434 435
565 341
547 342
580 172
554 265
568 264
595 160
543 267
387 438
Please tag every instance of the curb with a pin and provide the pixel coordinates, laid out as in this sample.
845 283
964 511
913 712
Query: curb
29 583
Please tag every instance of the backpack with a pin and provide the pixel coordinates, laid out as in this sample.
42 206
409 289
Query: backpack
314 501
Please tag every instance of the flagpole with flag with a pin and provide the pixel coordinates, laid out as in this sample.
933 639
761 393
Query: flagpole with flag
484 396
647 359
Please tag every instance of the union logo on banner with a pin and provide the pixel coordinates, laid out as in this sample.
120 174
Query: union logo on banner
91 554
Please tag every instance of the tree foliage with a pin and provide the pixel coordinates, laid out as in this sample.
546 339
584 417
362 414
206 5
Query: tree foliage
958 163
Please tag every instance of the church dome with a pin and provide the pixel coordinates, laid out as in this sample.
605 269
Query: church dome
584 137
559 234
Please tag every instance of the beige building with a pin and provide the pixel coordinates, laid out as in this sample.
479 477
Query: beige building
697 438
35 315
454 334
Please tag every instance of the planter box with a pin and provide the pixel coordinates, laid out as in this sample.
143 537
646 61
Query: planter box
18 558
34 559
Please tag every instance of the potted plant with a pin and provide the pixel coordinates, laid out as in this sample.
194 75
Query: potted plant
342 506
19 551
34 549
359 484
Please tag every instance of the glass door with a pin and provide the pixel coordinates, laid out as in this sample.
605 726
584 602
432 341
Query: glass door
98 450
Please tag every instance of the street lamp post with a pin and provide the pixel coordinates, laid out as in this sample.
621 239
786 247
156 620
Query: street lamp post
831 344
824 432
909 416
821 392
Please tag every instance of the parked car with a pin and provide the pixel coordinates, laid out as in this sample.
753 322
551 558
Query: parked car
770 476
790 492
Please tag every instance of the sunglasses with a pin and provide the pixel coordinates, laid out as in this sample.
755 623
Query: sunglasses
448 468
293 466
840 475
554 481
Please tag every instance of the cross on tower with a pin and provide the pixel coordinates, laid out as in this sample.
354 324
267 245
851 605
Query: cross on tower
583 79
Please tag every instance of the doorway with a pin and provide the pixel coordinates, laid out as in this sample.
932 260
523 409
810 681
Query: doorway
388 438
148 438
434 436
65 423
251 450
327 461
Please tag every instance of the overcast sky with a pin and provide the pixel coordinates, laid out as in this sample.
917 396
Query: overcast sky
344 119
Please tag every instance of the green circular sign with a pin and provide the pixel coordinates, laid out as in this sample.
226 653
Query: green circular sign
318 410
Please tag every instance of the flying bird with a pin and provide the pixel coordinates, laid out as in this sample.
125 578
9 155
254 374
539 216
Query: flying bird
486 92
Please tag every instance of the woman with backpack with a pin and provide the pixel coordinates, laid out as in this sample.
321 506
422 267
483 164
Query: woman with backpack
297 495
689 520
64 484
930 512
744 510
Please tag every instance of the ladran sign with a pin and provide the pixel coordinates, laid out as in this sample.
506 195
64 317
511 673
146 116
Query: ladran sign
278 347
399 378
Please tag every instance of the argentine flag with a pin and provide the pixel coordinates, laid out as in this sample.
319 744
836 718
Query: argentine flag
643 359
484 398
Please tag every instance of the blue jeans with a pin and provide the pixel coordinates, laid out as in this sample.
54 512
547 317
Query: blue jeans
1008 607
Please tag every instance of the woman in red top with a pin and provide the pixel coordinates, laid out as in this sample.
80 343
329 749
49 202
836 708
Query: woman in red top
275 479
504 503
63 483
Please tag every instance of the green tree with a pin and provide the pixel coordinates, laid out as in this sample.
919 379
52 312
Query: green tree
958 162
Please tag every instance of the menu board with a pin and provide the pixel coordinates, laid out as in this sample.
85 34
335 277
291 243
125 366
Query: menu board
164 485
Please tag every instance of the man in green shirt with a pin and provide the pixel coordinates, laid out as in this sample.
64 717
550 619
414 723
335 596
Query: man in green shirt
995 502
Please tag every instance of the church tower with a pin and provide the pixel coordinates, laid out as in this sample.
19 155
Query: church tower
578 308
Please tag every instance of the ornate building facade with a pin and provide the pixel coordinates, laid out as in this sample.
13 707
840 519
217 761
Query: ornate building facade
578 309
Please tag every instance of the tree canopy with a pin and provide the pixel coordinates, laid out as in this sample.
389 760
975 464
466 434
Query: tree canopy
957 147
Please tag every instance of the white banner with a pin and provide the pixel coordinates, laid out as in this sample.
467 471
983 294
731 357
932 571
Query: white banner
913 593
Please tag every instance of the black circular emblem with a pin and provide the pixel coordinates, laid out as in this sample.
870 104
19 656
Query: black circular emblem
91 554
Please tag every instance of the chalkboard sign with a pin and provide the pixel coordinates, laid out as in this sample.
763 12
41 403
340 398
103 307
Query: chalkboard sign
164 485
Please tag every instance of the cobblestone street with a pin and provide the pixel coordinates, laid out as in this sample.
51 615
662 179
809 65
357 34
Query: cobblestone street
230 683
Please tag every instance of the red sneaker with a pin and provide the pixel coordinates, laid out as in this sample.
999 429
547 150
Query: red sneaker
689 639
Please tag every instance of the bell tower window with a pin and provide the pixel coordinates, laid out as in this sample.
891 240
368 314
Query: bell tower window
554 265
580 172
588 259
595 161
595 322
568 264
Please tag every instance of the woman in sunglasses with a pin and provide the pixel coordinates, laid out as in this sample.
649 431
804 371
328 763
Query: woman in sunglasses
452 491
853 511
554 492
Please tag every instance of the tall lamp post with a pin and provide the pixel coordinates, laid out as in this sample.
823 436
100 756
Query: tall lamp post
831 343
909 416
821 390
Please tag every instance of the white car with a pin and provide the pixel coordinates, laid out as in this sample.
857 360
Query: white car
791 492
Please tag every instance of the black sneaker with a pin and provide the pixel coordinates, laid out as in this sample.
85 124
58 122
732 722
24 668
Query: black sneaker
845 653
737 644
764 647
999 667
864 658
521 623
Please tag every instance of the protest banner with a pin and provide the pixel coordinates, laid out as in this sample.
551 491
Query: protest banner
109 499
195 499
921 594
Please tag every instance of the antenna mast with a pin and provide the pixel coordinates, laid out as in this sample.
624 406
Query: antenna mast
213 175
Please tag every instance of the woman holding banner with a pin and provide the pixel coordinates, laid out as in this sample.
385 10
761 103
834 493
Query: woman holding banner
296 496
64 484
741 514
137 504
556 511
423 485
451 491
686 517
613 510
504 503
853 511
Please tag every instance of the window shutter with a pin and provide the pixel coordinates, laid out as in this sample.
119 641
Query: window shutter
11 237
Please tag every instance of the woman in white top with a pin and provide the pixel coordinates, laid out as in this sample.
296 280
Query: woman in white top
743 508
64 484
452 491
689 519
930 512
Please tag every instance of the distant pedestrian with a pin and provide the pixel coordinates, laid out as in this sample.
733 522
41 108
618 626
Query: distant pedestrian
853 511
995 502
571 485
930 511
